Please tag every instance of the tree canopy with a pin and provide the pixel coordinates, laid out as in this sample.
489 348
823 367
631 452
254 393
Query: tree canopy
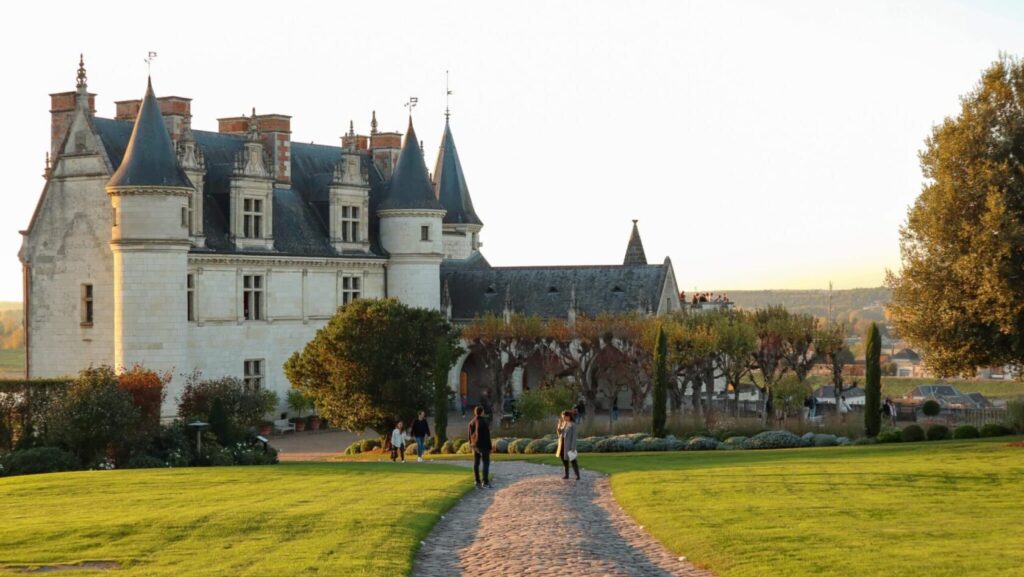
960 293
373 363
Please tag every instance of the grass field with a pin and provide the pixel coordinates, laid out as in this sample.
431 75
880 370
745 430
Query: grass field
941 509
309 519
12 362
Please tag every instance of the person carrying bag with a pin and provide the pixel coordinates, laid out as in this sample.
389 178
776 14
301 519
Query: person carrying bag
566 450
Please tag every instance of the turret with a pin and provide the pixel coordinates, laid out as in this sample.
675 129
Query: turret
635 249
410 230
149 193
461 224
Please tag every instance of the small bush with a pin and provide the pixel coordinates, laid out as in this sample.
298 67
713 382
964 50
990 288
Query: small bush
995 430
890 435
825 440
1015 415
651 444
614 445
367 445
938 433
552 447
674 444
912 434
458 442
734 443
448 448
931 408
702 444
143 462
582 446
843 441
866 440
464 449
38 460
410 449
518 446
537 446
775 440
501 445
353 449
966 432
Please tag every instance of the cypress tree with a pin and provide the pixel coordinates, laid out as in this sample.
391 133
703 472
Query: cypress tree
660 384
442 362
873 383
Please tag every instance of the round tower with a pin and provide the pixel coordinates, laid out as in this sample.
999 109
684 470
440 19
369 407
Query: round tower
461 224
410 230
150 241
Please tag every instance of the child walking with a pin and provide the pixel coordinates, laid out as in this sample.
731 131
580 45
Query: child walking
398 442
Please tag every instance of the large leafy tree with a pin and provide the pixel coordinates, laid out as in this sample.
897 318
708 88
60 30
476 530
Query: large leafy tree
960 293
373 363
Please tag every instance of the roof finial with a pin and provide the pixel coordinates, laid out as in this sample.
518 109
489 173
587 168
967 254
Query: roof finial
81 83
373 123
47 170
410 104
351 128
447 94
150 56
254 131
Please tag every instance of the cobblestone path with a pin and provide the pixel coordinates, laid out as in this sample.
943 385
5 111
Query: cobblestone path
533 523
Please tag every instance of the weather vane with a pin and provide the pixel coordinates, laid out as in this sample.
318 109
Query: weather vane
413 101
149 61
447 94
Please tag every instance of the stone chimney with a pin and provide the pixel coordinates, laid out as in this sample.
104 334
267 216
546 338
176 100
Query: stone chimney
275 132
176 110
62 108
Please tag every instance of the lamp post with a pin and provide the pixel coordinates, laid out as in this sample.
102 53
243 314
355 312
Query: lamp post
199 426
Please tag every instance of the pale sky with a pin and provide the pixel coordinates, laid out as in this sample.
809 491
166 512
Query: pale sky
760 144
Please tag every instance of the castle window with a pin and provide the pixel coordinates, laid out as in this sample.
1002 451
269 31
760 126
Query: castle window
87 306
350 224
184 217
425 232
252 218
191 213
252 374
252 297
113 215
190 287
351 288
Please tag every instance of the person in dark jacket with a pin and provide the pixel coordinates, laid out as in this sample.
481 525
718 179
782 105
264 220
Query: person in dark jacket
420 431
566 450
480 441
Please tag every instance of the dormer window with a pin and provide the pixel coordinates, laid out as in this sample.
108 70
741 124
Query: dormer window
617 289
350 224
252 218
491 290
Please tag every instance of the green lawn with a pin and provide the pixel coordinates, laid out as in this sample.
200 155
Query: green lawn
940 509
290 519
12 362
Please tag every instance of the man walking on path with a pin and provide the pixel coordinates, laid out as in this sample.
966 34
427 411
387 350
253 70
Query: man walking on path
420 431
480 441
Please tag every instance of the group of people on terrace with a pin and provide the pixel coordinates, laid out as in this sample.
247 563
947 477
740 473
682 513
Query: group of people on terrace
705 297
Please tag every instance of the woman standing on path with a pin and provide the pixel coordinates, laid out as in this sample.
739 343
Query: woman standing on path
420 430
398 442
567 444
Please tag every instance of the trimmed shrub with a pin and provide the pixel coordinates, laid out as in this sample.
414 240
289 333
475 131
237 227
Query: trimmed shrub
354 449
458 442
464 449
966 432
635 437
674 444
843 441
733 443
582 446
552 447
537 446
931 408
651 444
94 415
702 444
253 454
144 462
38 460
995 430
890 435
367 445
775 440
614 445
410 449
448 448
825 440
518 446
866 441
938 433
912 434
501 445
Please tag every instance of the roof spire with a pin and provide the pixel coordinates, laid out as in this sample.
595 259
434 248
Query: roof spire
450 183
81 79
351 128
373 123
635 249
410 183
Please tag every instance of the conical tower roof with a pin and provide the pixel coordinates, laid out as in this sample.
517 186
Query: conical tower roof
150 159
450 183
635 250
410 186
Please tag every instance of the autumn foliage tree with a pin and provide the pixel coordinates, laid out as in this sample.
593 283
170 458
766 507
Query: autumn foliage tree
959 294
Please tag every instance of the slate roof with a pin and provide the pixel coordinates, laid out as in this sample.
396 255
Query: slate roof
410 185
635 249
149 157
300 214
547 291
450 183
